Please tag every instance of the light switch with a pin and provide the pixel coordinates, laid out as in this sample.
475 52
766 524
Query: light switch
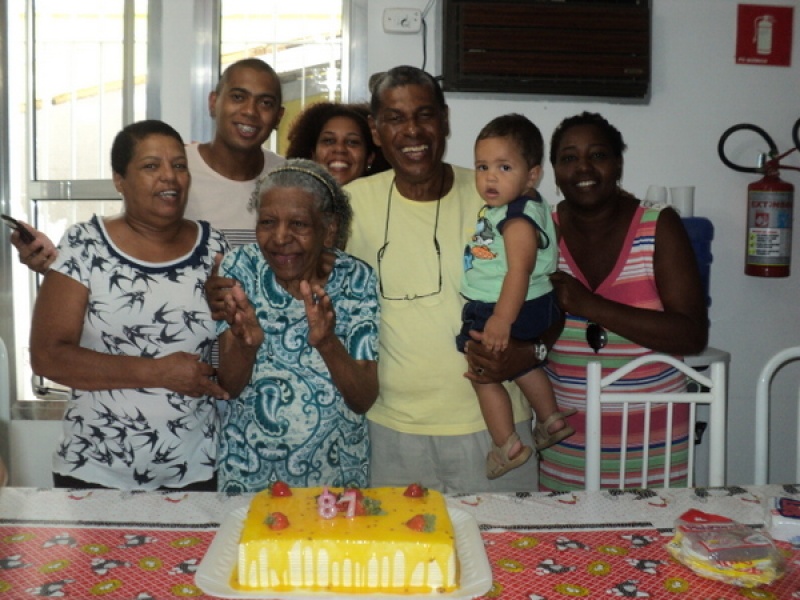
402 20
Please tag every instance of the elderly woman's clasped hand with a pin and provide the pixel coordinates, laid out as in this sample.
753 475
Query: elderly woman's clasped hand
239 314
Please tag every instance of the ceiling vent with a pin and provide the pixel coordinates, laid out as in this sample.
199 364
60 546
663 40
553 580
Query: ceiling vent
568 47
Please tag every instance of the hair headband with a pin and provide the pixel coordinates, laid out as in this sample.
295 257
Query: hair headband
316 176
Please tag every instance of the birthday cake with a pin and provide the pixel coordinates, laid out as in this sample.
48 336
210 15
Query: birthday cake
386 540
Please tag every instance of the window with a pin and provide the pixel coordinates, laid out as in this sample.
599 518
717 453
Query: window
82 84
89 77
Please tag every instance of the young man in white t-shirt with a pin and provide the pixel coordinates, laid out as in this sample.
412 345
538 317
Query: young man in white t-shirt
246 107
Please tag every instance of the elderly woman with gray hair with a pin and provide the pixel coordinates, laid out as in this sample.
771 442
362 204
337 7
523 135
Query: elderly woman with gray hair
298 344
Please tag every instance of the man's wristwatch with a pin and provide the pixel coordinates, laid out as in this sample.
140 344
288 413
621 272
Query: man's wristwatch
539 350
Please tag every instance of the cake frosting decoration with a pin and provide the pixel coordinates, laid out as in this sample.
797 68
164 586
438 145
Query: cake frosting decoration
388 540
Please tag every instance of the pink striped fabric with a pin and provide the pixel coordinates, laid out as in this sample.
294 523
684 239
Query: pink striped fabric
632 281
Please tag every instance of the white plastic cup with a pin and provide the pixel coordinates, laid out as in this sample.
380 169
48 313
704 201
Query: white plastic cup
656 194
682 200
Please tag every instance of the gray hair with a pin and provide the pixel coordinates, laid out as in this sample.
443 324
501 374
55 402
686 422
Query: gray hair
331 200
402 76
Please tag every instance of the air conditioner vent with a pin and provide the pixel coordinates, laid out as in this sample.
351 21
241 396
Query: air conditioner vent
580 48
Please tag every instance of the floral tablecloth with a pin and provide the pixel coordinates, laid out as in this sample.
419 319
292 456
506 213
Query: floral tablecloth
607 564
100 562
116 545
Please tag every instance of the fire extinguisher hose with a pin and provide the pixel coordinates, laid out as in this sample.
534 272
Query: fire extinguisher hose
796 134
774 157
745 127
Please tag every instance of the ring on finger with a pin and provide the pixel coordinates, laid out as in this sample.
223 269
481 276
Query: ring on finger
479 370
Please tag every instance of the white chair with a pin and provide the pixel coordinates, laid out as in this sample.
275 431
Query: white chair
714 395
762 414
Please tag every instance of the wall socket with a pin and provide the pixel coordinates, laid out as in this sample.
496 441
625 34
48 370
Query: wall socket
402 20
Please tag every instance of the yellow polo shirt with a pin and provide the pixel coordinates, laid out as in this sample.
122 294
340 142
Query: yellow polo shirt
421 373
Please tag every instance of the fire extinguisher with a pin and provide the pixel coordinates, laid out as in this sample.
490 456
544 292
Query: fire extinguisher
770 205
762 34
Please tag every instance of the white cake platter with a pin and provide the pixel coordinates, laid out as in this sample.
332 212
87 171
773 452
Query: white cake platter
213 574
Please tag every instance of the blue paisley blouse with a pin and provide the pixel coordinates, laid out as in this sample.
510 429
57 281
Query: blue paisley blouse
290 423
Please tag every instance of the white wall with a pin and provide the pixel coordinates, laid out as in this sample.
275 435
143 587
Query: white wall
32 444
698 91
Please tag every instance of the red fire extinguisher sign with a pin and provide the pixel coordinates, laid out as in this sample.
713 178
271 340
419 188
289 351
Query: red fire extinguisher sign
764 35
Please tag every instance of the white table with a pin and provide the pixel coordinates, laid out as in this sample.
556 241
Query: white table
603 509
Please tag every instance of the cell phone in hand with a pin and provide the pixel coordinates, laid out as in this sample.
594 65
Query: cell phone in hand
24 234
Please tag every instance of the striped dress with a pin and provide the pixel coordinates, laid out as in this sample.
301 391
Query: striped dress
632 281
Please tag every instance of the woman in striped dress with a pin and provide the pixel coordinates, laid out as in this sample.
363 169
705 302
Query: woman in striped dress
625 271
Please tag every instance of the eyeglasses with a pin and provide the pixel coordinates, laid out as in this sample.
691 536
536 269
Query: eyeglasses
596 336
382 252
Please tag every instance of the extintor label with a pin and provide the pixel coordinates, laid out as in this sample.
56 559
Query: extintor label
769 228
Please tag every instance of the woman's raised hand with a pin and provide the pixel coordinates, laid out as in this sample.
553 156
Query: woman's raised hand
37 255
573 296
241 317
319 310
217 289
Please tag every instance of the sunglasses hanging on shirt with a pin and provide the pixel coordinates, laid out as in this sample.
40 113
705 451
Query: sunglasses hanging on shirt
596 336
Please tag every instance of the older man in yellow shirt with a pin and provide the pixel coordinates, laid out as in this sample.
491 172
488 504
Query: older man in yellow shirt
411 224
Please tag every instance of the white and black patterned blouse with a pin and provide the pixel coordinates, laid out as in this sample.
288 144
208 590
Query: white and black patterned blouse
140 438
